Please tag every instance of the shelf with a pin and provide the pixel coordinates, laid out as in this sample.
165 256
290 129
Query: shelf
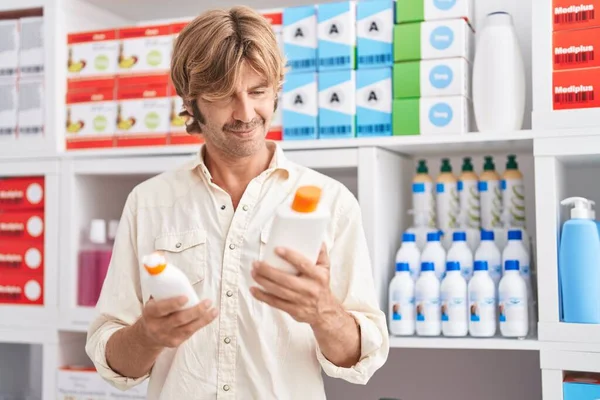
76 319
28 336
572 147
570 361
464 343
582 337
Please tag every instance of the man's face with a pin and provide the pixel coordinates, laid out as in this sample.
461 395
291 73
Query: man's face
237 126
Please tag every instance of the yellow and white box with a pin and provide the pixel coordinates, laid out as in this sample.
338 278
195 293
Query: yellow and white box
145 49
9 47
92 54
8 109
31 46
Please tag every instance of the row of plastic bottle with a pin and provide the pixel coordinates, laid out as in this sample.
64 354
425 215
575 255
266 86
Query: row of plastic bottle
456 308
488 201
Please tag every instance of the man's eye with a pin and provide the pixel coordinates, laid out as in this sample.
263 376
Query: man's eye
258 92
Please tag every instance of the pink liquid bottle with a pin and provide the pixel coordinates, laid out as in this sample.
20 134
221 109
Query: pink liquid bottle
92 256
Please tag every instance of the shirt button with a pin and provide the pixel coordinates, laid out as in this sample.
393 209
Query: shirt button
227 340
245 208
226 388
178 245
222 207
232 246
229 293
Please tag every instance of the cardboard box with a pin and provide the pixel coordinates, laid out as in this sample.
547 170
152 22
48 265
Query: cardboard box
21 289
91 120
431 10
22 226
374 102
9 47
145 49
21 193
375 34
300 106
431 116
92 54
576 88
275 18
31 46
337 104
576 49
300 38
30 118
143 110
433 40
21 257
9 109
575 14
276 128
337 36
582 386
432 78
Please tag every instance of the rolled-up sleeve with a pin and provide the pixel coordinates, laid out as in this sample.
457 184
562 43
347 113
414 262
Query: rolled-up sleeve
120 303
352 281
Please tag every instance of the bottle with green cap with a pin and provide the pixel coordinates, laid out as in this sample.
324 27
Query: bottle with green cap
468 194
423 198
490 196
447 198
513 194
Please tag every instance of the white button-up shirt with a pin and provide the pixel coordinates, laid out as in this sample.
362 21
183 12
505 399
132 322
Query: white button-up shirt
251 351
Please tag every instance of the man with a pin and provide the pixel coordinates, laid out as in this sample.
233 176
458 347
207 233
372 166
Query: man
258 333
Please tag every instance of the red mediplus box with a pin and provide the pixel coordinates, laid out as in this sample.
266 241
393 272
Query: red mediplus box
22 226
575 14
21 193
21 289
576 49
21 257
576 88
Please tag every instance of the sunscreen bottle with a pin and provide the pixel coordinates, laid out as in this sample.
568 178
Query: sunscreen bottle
166 281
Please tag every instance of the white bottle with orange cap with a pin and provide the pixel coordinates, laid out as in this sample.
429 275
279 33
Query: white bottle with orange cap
166 281
299 227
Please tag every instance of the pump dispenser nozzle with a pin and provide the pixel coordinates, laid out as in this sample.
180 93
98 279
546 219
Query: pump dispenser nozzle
582 207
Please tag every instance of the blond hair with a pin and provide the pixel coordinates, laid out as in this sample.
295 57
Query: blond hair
208 55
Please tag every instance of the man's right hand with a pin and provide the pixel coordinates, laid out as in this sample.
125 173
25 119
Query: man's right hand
163 325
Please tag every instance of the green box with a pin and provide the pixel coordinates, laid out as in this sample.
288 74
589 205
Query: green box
410 11
407 42
406 117
407 80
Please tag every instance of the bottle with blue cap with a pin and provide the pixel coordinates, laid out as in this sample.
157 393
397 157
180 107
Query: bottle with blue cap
515 250
435 253
482 302
402 302
453 294
488 251
409 253
427 299
513 316
461 253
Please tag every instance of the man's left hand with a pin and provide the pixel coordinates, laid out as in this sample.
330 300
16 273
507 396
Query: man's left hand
307 296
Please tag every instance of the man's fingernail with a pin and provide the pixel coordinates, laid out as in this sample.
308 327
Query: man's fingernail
182 300
255 264
214 312
280 251
206 303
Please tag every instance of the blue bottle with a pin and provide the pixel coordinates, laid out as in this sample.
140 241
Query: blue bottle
579 265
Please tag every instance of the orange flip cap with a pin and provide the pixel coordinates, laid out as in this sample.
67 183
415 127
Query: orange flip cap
155 263
306 199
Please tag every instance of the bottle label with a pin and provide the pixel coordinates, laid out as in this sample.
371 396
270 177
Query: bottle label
402 307
495 272
453 308
468 193
447 205
490 197
428 309
481 309
512 309
424 201
466 271
513 198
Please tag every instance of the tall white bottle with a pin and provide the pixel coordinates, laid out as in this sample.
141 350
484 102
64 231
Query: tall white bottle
427 299
165 281
487 251
461 253
402 302
422 191
446 201
513 304
454 302
409 253
498 76
482 302
435 253
515 250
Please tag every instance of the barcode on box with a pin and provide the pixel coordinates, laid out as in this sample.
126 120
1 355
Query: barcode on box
31 130
32 70
334 61
374 129
570 98
574 58
299 132
376 59
7 131
335 130
303 64
8 71
574 17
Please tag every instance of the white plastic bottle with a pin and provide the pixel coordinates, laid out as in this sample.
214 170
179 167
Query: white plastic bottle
427 299
165 281
498 76
490 195
447 198
487 251
299 227
513 305
482 302
402 302
422 191
434 253
410 254
454 302
461 253
515 250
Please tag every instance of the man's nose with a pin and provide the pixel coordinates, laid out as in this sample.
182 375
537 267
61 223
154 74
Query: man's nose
244 109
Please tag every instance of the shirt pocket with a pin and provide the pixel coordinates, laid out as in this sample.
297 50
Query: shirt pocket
185 250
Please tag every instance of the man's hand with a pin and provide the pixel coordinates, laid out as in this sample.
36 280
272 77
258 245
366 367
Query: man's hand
163 325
